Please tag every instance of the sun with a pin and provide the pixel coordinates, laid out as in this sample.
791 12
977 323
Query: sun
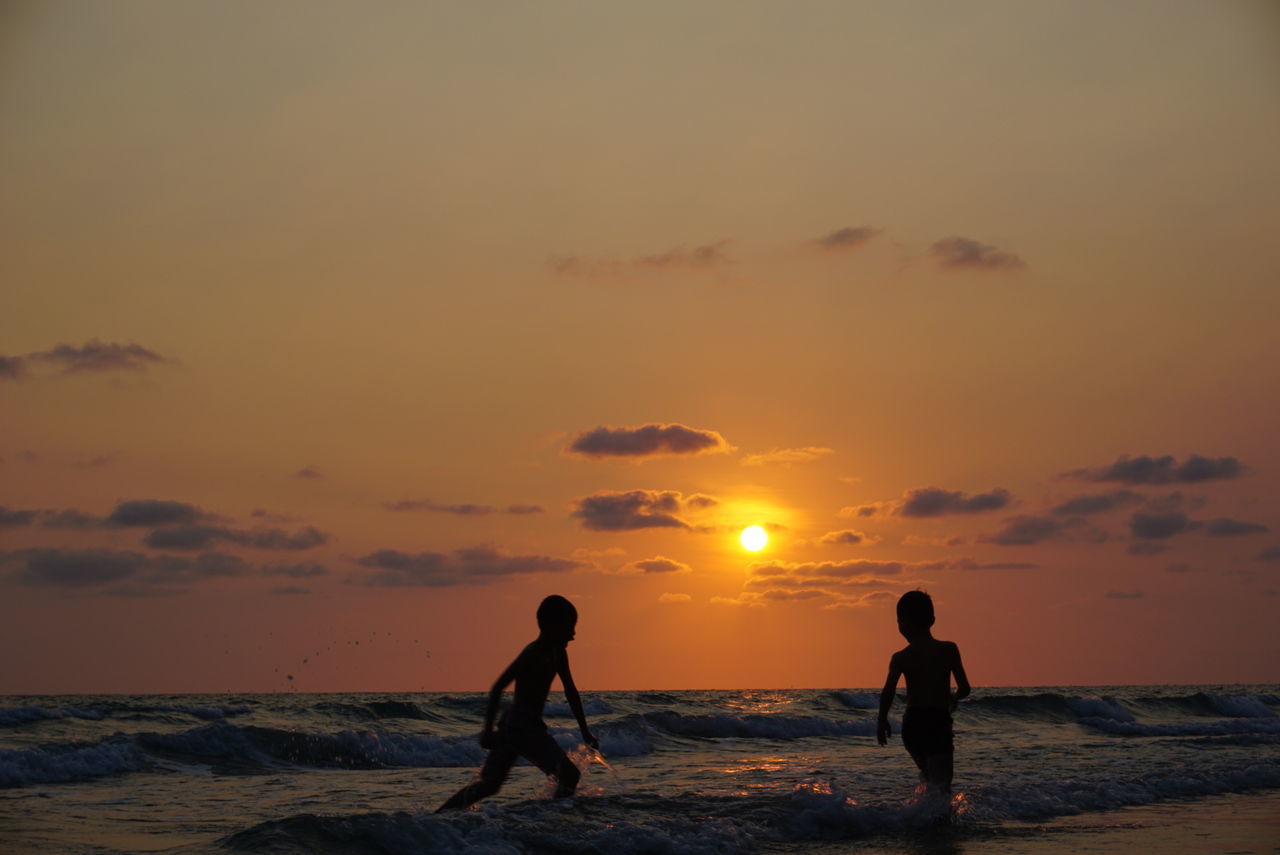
754 538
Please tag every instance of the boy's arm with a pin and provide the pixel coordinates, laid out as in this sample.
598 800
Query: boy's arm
886 700
495 698
575 700
962 680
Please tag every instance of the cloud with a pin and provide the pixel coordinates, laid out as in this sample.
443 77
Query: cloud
310 473
653 566
1097 503
859 568
960 253
1144 548
295 571
706 255
933 502
1271 553
1224 527
87 568
674 598
1162 470
845 239
648 440
1124 595
154 512
849 537
608 510
99 356
17 518
1160 526
463 510
475 566
12 368
1025 530
932 540
787 456
195 537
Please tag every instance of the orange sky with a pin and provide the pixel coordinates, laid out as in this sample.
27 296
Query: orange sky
324 324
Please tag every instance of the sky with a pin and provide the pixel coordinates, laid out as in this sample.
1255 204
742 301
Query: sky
335 336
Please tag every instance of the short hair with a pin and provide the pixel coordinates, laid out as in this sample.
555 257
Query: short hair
916 608
555 610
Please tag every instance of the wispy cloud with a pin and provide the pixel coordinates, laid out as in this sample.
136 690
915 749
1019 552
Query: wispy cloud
961 253
462 510
934 502
476 566
1097 503
1225 527
197 537
849 537
1160 526
654 566
1162 470
845 239
787 456
680 258
94 568
647 440
94 356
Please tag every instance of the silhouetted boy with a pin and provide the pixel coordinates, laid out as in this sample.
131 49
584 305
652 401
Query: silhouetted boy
521 732
928 664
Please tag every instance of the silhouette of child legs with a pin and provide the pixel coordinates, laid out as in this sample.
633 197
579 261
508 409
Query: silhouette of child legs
519 735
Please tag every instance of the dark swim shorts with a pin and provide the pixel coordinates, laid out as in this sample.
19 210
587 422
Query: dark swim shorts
521 733
927 731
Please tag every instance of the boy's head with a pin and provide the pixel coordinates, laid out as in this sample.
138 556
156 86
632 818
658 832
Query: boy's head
915 610
557 617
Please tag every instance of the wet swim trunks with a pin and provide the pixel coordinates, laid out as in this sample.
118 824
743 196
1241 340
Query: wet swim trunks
927 731
522 733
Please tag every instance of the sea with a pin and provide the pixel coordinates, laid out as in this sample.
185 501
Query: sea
790 771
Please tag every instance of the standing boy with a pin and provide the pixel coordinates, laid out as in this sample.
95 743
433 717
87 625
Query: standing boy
521 732
928 665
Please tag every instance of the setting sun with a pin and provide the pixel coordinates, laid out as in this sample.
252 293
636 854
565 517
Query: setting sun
754 538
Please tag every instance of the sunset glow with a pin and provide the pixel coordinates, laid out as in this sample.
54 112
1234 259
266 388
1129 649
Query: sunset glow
330 343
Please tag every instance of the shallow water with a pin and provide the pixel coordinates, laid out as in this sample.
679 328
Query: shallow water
686 771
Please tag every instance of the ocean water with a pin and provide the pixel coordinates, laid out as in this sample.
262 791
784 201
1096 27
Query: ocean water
681 772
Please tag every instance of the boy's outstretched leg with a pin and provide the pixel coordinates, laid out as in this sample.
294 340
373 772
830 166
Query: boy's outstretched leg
567 777
495 770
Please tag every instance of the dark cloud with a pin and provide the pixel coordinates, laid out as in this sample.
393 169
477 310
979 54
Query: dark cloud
653 566
647 440
1271 553
1025 530
99 356
295 571
933 501
960 253
810 570
847 238
1097 503
310 473
848 537
635 509
17 518
1175 502
1162 470
1160 526
1224 527
142 575
196 537
12 368
463 510
476 566
95 462
154 512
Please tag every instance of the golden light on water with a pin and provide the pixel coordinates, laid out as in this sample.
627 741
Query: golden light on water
754 538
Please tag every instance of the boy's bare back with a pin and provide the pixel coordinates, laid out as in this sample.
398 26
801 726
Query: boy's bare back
927 664
534 670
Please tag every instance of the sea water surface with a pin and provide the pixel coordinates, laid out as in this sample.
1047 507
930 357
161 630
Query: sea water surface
681 772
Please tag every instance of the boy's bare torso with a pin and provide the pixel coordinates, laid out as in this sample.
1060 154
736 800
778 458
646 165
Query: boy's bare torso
927 666
536 667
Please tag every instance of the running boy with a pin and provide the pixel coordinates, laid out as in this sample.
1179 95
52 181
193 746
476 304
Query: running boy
928 665
521 731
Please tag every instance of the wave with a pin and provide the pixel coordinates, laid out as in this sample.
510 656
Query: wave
815 810
1206 704
591 706
1185 728
63 763
1049 706
858 700
15 716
